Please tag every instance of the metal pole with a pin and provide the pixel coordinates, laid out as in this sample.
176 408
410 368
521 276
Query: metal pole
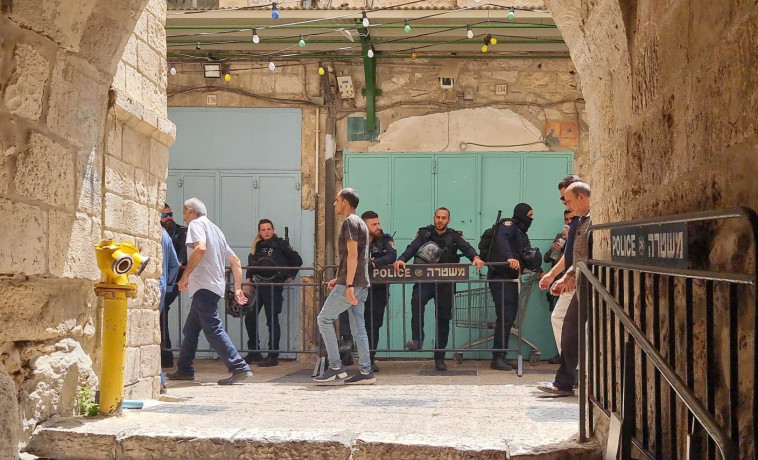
114 351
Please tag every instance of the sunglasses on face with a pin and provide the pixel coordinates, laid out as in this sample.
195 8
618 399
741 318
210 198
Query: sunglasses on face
166 214
563 200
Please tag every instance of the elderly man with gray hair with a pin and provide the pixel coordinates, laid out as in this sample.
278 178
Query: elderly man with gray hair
207 252
577 197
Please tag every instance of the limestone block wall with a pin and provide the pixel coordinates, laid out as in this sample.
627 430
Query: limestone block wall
137 135
671 101
82 157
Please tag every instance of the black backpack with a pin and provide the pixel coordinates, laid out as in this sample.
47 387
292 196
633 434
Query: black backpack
488 250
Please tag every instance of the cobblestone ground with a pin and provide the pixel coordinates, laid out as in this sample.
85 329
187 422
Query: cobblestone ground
413 411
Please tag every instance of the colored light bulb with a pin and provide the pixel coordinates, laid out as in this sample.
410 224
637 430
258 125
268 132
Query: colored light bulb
469 32
414 56
173 70
321 71
256 38
301 43
365 21
271 65
274 11
371 51
493 41
511 14
227 77
407 27
485 48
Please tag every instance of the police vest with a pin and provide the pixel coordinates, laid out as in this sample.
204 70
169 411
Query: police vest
269 254
445 242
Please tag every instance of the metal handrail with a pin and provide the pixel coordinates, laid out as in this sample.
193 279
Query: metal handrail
733 213
704 417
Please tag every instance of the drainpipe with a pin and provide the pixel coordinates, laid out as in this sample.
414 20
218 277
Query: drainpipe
371 91
116 261
330 186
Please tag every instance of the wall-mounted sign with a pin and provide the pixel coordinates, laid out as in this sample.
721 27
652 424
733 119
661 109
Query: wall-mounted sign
664 245
442 272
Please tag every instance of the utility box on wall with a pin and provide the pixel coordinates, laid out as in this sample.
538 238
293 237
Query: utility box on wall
449 73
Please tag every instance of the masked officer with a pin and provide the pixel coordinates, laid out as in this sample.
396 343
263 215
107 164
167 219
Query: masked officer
449 243
382 252
268 251
511 246
178 234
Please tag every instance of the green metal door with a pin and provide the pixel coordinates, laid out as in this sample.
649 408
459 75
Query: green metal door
405 189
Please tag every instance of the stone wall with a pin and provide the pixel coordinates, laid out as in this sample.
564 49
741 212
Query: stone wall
672 93
82 156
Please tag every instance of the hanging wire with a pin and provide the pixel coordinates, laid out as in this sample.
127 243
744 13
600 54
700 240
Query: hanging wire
280 53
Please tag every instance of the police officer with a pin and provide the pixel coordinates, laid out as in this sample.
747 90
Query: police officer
178 234
268 251
382 252
511 243
449 242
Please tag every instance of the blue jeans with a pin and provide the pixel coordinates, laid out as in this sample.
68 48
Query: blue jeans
335 304
203 315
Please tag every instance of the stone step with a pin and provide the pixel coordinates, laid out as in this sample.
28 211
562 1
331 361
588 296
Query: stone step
413 412
67 440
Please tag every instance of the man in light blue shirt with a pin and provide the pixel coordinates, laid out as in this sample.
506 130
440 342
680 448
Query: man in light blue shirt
168 278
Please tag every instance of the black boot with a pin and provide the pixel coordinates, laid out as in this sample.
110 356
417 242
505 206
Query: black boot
270 361
253 357
499 364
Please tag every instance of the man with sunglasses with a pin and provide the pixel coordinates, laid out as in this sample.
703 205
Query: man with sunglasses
178 234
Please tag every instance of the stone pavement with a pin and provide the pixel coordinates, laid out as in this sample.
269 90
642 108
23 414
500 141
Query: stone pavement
413 412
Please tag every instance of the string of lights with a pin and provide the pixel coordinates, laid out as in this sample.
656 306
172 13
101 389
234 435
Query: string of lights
365 25
364 20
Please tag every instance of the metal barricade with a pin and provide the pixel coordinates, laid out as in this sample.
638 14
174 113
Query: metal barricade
475 309
296 319
472 308
669 350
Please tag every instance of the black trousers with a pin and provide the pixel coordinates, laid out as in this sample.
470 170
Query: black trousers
169 299
442 293
566 375
505 295
270 299
373 314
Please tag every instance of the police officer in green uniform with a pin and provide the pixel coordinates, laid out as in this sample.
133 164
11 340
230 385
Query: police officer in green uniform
268 252
382 252
449 242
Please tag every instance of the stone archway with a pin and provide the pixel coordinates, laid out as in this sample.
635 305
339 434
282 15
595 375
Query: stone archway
57 65
670 95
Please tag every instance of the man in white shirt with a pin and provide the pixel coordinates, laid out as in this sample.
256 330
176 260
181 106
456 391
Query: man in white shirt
207 252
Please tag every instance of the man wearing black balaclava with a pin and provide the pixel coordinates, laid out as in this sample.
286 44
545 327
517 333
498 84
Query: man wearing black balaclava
510 245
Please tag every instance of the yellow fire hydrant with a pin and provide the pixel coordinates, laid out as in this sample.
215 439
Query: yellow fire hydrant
117 261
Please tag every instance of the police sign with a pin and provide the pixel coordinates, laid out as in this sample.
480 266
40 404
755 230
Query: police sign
442 272
664 244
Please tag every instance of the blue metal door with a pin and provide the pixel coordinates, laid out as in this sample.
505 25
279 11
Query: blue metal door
245 165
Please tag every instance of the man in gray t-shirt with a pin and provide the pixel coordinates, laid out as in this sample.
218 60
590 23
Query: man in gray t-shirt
354 229
348 292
